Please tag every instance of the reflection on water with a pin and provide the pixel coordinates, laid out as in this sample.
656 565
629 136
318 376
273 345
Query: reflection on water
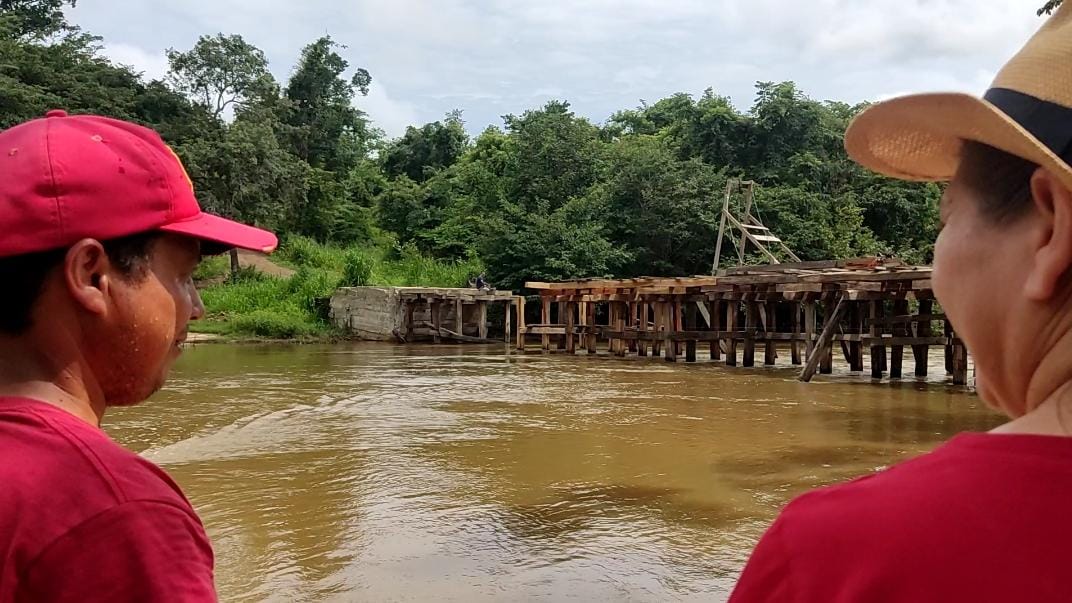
377 472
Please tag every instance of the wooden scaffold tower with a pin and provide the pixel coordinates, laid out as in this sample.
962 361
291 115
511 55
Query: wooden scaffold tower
748 225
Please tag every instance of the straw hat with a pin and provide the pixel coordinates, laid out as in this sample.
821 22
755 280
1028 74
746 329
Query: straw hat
1027 112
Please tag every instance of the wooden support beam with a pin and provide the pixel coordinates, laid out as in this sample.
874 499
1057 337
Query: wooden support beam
731 326
521 330
826 360
823 346
770 352
949 348
632 324
900 308
623 308
878 353
545 318
657 313
642 327
671 326
592 344
561 344
960 363
571 339
751 315
856 326
508 322
794 346
809 329
921 353
582 310
714 322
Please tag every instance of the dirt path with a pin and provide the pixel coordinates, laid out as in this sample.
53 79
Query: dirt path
262 263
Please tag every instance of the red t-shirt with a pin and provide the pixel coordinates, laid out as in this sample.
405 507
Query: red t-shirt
983 518
83 519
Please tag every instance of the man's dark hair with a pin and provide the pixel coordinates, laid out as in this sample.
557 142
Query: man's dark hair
1000 181
23 276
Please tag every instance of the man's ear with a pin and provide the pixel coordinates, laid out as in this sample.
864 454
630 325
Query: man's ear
1052 243
86 270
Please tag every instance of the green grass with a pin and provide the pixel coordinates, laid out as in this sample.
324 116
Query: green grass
258 305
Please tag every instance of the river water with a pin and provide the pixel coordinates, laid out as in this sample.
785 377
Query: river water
369 472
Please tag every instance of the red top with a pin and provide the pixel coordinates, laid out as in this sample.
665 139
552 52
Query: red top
83 519
982 518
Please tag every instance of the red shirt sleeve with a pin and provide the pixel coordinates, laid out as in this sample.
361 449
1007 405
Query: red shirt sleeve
135 551
767 575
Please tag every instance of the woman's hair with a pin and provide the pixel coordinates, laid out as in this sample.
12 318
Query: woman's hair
1001 181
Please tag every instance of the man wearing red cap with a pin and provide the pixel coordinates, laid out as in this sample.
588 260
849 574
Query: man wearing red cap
100 233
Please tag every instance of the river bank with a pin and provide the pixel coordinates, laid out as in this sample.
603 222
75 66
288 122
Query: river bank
282 297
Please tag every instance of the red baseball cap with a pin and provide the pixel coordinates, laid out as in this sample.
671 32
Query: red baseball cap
65 178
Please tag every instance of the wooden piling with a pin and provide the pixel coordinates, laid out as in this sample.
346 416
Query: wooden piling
731 328
921 352
642 329
878 352
770 353
632 324
521 328
671 328
590 313
899 329
571 339
823 345
715 310
794 345
751 314
545 319
809 329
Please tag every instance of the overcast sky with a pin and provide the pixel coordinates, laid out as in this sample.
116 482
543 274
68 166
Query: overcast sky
494 57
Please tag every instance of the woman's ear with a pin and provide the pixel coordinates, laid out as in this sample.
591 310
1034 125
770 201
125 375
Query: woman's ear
85 272
1052 244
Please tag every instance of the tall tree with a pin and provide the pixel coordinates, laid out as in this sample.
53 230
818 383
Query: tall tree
328 131
220 72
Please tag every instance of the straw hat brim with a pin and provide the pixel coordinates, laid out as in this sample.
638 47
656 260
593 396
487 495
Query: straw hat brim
919 137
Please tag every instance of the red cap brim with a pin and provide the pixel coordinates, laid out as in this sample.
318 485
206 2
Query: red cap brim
226 232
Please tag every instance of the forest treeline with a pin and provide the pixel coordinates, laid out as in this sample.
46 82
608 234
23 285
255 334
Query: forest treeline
547 195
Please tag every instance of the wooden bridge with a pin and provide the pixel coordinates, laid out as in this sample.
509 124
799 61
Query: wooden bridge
873 305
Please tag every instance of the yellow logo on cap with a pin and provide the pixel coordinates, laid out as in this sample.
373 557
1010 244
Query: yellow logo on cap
182 167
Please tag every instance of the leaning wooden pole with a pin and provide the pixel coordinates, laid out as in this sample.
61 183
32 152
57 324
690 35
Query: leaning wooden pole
825 339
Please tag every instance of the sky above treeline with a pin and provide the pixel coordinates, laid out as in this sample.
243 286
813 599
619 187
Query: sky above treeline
495 57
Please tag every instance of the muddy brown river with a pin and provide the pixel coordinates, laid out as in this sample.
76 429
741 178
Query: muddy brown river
368 472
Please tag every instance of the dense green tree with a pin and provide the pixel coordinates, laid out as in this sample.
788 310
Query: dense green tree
34 19
422 151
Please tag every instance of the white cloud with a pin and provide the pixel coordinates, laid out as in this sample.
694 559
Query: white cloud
387 113
492 57
153 65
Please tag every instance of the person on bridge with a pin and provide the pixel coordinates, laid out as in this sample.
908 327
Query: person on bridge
100 233
981 518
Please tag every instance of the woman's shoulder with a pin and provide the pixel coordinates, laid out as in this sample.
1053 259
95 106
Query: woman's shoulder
964 472
942 525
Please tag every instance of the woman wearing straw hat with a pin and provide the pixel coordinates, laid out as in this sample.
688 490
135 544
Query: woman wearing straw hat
984 517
